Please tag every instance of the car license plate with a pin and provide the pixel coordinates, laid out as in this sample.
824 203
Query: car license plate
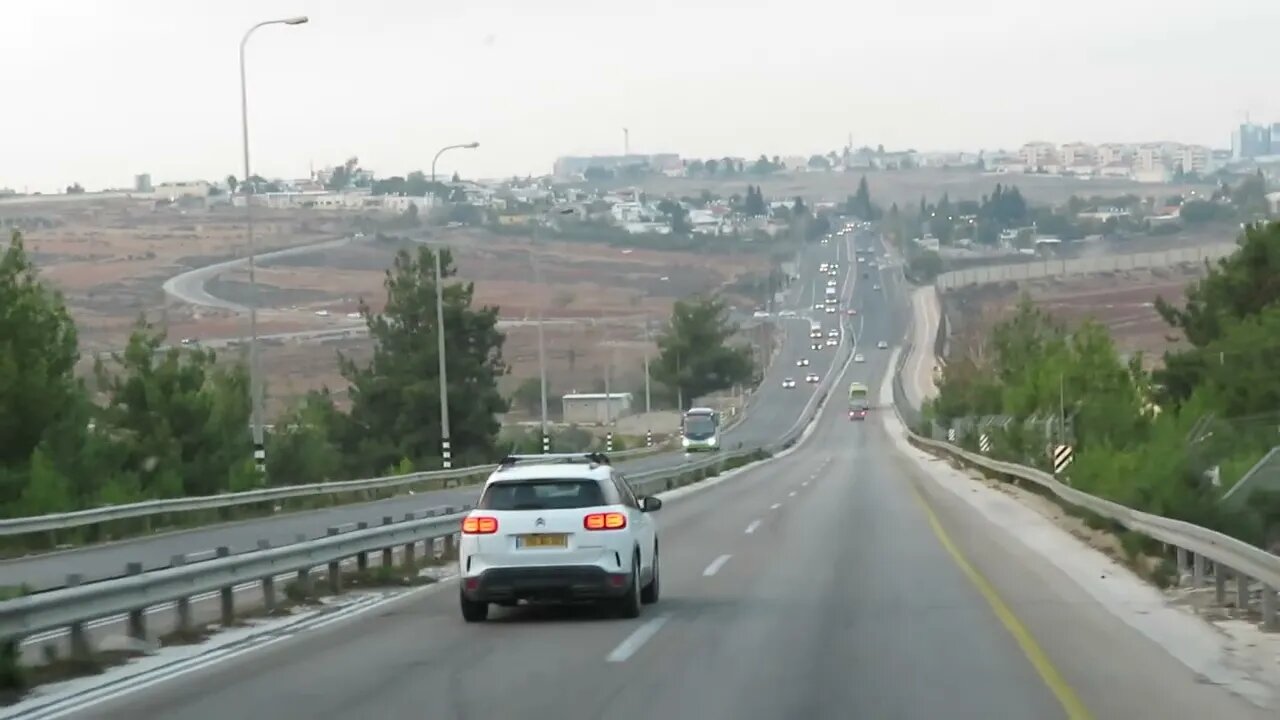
556 540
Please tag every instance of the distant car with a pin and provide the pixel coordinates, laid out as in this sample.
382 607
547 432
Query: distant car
787 313
525 540
851 311
832 342
861 259
816 346
833 333
811 378
831 283
858 358
866 274
882 345
833 273
822 267
802 362
789 384
877 287
831 311
818 306
858 414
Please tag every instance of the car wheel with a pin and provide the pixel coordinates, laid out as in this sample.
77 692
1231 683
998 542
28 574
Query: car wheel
649 595
629 605
473 610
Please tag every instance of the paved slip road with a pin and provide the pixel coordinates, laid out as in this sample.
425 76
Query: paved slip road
809 587
771 411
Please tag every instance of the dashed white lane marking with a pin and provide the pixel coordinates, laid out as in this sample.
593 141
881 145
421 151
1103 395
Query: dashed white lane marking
715 566
804 483
791 494
637 639
752 527
775 506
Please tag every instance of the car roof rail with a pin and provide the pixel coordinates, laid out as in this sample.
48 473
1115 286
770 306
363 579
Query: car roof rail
594 458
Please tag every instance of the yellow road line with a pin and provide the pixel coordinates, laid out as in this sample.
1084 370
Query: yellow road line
1053 679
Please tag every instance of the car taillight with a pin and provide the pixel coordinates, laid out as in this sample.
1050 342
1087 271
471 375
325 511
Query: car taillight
479 525
605 521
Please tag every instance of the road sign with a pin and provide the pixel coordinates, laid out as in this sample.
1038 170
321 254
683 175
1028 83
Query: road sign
984 443
1062 456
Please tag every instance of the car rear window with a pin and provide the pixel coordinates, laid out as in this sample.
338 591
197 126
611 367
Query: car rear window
542 495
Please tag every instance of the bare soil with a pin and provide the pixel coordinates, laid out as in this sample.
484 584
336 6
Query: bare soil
111 257
1123 302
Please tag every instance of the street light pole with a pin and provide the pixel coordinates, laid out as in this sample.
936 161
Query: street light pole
255 373
446 454
441 151
542 359
446 450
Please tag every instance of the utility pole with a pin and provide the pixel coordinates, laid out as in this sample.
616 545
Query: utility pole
648 408
446 454
1062 407
626 142
608 395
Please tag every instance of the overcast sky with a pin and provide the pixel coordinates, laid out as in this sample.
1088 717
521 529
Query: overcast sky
96 91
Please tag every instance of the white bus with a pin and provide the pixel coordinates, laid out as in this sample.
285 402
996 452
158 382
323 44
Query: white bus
700 429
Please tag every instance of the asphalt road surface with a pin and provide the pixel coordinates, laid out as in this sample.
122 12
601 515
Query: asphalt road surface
835 582
771 411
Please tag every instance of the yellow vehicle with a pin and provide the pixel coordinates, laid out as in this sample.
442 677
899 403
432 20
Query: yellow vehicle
858 401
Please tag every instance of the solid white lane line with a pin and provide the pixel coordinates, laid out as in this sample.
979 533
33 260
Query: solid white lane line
715 566
637 639
752 527
775 506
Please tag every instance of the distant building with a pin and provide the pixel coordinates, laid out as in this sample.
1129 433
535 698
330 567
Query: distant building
142 183
175 190
1250 141
595 408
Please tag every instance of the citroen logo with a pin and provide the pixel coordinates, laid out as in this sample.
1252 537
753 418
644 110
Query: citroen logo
539 522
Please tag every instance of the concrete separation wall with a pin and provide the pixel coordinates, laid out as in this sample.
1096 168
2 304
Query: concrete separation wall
1083 266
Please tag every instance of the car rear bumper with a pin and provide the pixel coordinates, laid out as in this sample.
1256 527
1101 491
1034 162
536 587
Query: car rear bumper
553 582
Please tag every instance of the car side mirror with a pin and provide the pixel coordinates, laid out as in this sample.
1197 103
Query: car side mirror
650 504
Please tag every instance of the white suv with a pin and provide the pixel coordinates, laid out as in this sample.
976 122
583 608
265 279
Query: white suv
559 527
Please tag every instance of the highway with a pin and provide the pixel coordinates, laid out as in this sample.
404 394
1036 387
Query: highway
836 582
771 409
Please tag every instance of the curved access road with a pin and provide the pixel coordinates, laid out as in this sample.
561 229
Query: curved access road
770 412
836 582
189 287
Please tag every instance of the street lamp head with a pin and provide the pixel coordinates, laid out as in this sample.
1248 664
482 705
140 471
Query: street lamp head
299 20
471 145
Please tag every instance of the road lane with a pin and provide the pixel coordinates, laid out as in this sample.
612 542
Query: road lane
781 409
843 603
418 659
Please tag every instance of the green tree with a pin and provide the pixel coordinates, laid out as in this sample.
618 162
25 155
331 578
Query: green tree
695 355
1238 288
395 398
183 418
38 354
302 447
528 396
754 204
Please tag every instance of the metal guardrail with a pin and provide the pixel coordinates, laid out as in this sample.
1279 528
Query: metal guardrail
93 516
1195 544
75 606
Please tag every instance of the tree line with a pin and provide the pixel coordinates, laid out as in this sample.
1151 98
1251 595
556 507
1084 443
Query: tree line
1171 441
157 420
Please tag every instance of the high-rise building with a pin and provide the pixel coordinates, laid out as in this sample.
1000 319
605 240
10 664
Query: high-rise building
142 183
1250 141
